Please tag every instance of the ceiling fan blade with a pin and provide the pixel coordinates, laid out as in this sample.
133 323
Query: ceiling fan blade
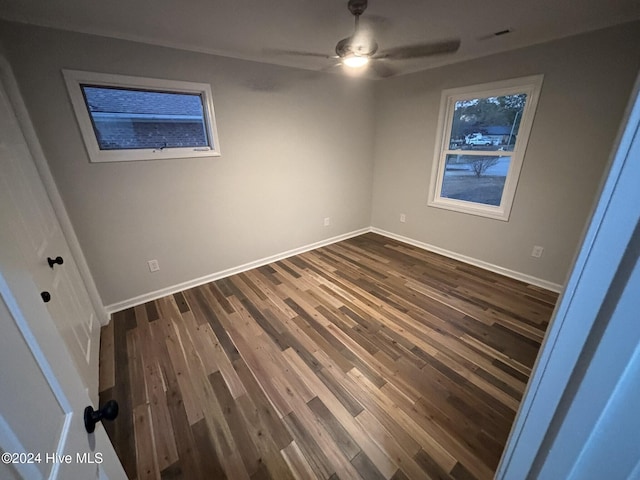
381 69
330 67
416 51
277 51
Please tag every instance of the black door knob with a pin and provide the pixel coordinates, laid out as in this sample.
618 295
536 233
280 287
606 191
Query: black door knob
54 261
46 297
109 411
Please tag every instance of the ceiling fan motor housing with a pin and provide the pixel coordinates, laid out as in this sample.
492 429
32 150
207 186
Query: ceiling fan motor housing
354 44
356 50
347 46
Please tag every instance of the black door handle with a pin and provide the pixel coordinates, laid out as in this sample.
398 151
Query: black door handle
54 261
46 297
109 411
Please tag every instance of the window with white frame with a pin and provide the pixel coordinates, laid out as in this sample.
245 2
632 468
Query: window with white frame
481 140
124 118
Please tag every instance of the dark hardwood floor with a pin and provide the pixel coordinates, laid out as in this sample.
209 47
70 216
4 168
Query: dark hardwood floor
367 359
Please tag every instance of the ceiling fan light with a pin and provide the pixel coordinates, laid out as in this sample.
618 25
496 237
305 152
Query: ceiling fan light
355 61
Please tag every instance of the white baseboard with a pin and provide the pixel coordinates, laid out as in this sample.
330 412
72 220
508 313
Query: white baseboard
147 297
539 282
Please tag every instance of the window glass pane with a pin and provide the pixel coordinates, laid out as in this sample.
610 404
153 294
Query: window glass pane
475 178
489 123
142 119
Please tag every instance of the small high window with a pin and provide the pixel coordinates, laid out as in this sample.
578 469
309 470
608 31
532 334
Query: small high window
130 118
482 136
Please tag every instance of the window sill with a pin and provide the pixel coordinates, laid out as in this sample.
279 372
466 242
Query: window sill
469 208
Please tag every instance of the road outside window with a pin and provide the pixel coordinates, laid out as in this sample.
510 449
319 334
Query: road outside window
483 132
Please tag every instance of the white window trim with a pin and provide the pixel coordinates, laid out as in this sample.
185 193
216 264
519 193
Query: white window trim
529 85
75 78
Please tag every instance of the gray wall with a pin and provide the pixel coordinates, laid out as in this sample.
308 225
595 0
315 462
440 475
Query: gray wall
290 157
587 82
299 146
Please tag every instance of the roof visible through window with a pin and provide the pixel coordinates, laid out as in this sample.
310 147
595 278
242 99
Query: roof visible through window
142 119
118 100
124 118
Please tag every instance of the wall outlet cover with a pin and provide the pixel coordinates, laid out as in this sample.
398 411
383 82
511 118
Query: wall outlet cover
537 251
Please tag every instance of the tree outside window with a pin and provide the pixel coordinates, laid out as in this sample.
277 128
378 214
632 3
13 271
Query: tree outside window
483 131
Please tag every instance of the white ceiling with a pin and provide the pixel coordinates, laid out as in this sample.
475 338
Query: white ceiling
247 28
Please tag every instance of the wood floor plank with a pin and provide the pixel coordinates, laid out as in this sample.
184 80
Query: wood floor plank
336 460
156 388
441 455
136 372
316 458
462 447
198 335
164 437
146 459
248 451
152 311
176 352
339 421
365 359
342 438
390 445
366 468
121 432
207 453
189 464
298 464
371 404
107 377
259 411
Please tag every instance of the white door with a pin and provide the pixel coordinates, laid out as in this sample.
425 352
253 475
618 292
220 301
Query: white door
42 399
579 417
48 351
32 218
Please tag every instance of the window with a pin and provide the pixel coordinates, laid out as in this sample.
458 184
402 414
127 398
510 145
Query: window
482 136
130 118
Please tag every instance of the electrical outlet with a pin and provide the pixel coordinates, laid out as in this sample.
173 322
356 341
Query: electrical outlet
403 217
327 221
154 266
537 251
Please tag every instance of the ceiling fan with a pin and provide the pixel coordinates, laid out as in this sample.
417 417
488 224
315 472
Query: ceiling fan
360 48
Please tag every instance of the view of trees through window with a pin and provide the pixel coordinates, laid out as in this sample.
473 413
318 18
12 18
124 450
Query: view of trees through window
483 133
487 122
